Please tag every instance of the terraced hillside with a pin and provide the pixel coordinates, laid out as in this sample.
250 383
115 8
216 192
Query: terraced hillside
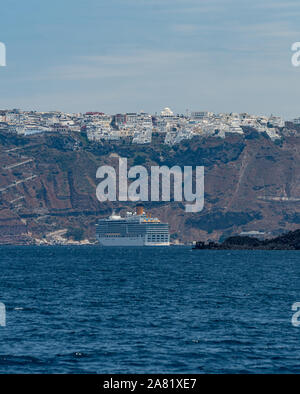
48 184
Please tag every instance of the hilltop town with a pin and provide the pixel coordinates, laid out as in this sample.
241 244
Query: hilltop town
48 164
140 127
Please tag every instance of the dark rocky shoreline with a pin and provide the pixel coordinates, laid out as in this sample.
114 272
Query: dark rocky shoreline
289 241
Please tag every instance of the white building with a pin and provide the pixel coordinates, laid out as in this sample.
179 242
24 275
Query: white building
167 113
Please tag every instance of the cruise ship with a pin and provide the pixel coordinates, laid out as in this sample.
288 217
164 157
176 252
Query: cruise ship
136 229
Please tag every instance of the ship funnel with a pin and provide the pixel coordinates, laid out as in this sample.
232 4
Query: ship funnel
139 210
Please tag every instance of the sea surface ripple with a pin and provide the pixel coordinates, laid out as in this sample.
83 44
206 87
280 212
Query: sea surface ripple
148 310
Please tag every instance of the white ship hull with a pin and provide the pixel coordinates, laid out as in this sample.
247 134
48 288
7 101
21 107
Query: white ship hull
128 241
133 230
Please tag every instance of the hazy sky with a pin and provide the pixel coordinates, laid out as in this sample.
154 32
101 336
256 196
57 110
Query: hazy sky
131 55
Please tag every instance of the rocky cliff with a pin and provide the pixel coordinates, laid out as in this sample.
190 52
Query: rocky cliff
48 184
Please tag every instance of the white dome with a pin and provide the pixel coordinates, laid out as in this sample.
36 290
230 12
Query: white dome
166 112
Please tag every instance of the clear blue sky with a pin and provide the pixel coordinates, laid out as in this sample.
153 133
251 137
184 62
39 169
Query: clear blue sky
131 55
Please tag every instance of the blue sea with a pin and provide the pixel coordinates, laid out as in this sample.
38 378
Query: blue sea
156 310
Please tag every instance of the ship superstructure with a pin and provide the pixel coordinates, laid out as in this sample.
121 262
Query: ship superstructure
136 229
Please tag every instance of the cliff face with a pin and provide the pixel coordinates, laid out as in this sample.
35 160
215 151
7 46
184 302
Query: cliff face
48 183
